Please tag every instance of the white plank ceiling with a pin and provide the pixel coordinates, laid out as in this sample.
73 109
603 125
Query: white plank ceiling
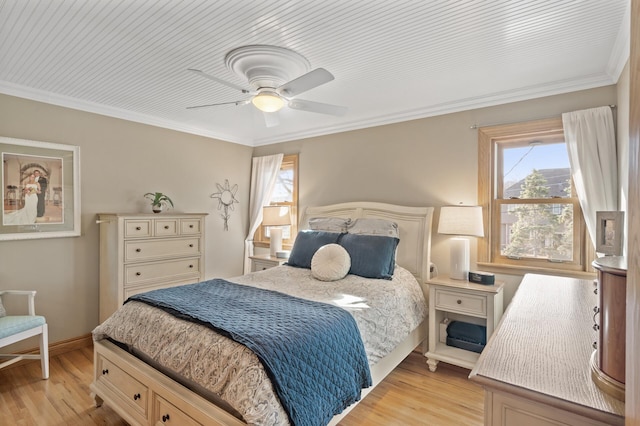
392 60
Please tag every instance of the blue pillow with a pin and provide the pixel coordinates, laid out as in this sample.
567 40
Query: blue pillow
372 256
306 245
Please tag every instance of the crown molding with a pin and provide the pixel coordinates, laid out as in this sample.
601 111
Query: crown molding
497 98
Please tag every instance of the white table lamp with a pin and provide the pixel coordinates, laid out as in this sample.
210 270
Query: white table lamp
461 221
275 217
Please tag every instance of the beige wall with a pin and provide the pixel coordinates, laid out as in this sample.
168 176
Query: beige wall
432 161
119 162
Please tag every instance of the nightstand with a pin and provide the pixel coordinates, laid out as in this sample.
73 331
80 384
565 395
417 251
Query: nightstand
265 261
461 301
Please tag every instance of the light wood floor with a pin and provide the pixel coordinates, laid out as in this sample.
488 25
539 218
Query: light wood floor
410 395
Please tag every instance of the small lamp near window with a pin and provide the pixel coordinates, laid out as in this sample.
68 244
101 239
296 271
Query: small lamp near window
275 217
461 221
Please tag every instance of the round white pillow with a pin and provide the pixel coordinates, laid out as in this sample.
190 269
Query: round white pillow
330 262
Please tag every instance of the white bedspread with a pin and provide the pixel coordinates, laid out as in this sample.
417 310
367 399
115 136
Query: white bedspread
386 311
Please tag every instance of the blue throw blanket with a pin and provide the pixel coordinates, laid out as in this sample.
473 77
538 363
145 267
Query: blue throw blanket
312 351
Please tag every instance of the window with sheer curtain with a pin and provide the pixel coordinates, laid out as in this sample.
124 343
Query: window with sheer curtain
532 214
285 193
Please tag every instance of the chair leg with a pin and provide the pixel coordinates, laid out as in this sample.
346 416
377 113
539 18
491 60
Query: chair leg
44 351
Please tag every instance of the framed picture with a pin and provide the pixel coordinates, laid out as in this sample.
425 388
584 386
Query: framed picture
40 190
609 232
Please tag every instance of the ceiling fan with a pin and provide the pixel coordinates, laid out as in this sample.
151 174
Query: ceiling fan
268 70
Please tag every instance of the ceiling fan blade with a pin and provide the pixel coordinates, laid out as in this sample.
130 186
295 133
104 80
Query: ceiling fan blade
318 107
305 82
217 80
237 103
271 119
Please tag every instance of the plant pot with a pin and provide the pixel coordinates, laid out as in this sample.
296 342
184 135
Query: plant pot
157 208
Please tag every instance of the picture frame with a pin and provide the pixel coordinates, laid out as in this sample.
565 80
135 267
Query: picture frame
40 189
609 237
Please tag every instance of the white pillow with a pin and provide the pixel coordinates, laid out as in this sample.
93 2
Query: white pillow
372 226
331 262
329 224
3 313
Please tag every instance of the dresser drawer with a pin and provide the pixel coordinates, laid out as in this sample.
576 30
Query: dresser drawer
463 303
132 392
155 249
165 413
166 227
137 228
138 274
190 226
137 289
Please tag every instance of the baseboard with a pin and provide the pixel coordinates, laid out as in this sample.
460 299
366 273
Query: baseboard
69 345
57 348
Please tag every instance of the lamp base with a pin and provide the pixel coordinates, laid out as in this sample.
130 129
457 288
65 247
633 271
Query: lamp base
275 238
459 257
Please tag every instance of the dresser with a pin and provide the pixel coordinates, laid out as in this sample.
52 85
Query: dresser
142 252
535 369
608 359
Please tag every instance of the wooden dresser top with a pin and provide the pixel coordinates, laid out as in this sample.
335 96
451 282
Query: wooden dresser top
543 344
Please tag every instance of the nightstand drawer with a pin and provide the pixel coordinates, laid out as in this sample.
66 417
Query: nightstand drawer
463 303
261 265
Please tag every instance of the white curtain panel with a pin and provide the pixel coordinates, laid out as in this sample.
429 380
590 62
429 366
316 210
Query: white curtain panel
590 138
264 171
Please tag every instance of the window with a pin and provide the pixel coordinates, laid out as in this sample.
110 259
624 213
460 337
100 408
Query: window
285 193
533 216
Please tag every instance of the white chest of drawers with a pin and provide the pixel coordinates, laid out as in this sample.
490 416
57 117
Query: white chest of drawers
141 252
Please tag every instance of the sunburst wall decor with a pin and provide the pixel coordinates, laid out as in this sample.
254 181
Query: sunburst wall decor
226 196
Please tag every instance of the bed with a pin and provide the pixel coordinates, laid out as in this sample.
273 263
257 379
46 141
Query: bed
174 378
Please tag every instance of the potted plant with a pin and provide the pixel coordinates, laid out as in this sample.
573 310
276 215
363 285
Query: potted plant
158 201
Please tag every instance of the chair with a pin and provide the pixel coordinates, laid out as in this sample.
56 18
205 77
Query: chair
14 328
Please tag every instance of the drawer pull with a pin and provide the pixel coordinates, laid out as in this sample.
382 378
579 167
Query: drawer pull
191 226
166 227
138 228
459 302
190 245
190 266
596 327
165 418
138 250
595 291
138 274
136 397
595 345
596 309
105 371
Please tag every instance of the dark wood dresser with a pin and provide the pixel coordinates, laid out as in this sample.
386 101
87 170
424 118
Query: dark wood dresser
608 360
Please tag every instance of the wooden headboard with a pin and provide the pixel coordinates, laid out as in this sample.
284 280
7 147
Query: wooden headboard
414 224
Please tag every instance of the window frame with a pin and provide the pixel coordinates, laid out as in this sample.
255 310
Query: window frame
490 182
260 239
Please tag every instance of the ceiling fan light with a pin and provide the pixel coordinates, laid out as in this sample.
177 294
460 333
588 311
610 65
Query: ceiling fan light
268 102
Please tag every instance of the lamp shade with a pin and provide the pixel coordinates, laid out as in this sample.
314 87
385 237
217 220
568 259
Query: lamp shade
276 216
461 220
